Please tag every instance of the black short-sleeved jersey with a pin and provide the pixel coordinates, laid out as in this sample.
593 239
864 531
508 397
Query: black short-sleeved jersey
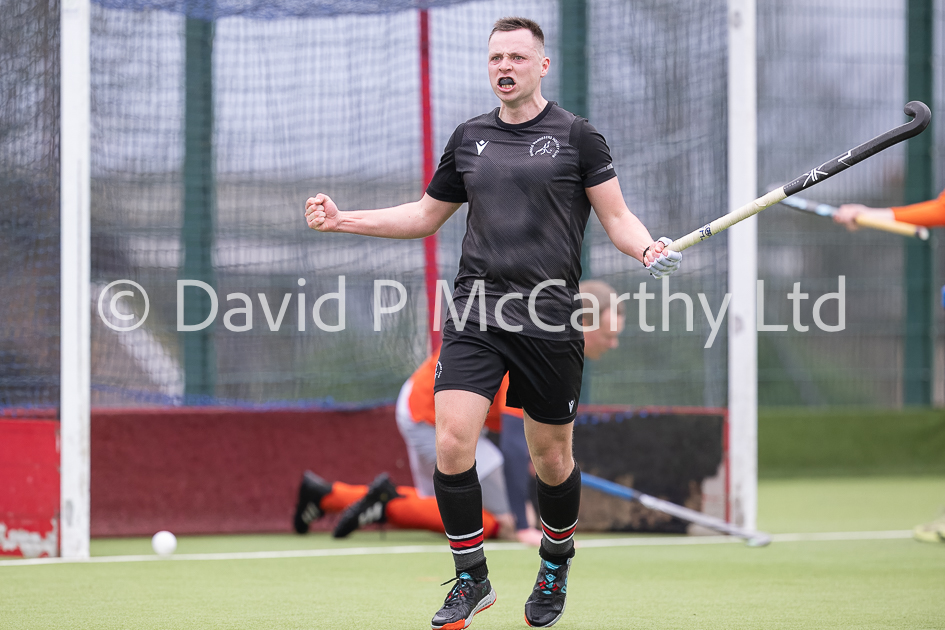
525 185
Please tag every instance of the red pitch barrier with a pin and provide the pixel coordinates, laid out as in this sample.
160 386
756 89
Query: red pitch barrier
29 487
190 470
211 470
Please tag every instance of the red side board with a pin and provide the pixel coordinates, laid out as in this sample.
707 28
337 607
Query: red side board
29 487
212 470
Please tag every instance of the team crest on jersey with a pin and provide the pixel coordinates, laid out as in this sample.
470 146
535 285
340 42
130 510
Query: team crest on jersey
545 145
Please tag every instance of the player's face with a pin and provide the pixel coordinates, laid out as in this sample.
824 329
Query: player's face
516 66
598 342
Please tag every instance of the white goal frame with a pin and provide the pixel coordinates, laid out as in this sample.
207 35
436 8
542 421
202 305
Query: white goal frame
75 334
743 264
75 266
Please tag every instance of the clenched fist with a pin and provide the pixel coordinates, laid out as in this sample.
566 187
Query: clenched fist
321 213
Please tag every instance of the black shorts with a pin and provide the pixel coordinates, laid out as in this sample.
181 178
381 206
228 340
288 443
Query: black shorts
544 374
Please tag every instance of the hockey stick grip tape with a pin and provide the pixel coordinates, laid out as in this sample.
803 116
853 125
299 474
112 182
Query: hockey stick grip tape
726 221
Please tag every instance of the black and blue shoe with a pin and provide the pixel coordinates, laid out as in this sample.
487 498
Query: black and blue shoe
545 605
467 598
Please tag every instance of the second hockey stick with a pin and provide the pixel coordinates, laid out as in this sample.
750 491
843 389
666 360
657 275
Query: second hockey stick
863 220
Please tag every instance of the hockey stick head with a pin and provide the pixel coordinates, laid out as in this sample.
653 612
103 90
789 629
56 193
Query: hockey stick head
921 116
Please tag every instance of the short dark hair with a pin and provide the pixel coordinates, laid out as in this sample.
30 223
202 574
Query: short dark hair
517 23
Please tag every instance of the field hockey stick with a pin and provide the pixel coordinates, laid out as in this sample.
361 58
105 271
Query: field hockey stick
754 539
863 220
921 116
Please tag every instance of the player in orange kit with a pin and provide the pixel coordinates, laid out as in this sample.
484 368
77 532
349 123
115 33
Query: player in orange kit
415 507
928 213
503 475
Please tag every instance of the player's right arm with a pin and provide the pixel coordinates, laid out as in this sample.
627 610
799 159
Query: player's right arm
416 219
847 213
928 213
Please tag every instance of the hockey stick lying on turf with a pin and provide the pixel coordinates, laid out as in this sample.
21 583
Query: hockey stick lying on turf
921 116
754 539
863 220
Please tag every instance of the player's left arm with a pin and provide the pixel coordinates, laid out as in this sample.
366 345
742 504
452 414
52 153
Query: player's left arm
628 233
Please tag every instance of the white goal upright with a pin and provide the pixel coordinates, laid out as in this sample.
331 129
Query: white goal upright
246 184
742 265
75 264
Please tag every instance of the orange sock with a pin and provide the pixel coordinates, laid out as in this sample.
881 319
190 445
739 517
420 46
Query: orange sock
341 496
410 511
415 512
490 526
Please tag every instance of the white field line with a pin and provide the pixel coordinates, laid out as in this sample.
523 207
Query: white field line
499 546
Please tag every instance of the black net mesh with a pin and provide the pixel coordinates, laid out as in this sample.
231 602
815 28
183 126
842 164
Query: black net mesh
213 121
830 79
333 104
29 203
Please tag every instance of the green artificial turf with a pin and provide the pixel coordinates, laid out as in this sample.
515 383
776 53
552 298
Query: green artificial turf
862 584
849 504
821 442
837 584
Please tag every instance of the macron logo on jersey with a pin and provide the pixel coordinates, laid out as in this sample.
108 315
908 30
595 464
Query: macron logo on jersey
480 145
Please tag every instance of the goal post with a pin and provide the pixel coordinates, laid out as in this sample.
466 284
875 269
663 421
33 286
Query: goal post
742 264
137 199
75 265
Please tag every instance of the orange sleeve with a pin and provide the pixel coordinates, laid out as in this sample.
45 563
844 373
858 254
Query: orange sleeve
421 396
928 213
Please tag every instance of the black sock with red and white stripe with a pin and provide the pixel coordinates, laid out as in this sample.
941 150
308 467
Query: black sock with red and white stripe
459 498
558 508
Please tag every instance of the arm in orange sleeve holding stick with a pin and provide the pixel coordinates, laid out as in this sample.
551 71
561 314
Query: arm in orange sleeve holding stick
928 213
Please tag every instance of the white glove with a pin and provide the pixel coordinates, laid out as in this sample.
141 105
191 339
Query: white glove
667 262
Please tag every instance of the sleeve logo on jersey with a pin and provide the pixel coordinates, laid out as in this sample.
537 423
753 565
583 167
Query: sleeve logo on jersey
439 370
545 145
